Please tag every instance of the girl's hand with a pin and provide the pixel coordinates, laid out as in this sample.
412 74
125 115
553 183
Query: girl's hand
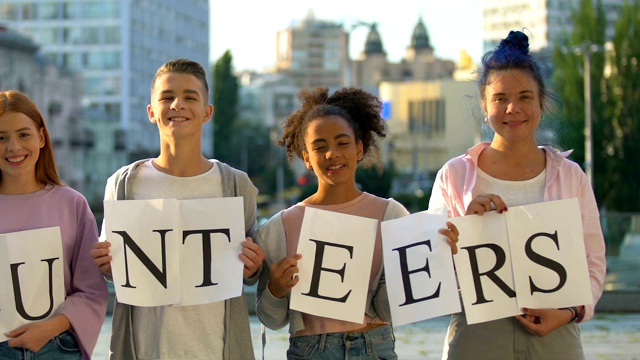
452 233
35 335
282 277
484 203
542 322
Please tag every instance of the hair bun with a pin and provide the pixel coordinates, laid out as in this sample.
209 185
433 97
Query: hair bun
515 39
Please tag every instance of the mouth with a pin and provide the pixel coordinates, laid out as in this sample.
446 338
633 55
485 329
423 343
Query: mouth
16 159
178 118
514 122
335 168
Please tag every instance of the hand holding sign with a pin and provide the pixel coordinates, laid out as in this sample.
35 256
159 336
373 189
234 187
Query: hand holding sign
284 276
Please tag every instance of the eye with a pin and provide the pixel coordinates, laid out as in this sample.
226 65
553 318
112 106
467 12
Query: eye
3 138
319 148
344 143
24 135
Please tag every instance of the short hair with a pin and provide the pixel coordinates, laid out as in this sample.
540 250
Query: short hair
183 66
360 109
17 102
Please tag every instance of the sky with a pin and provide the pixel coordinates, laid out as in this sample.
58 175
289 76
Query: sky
248 28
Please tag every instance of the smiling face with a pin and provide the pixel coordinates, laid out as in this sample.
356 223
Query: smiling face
332 151
179 106
20 144
512 104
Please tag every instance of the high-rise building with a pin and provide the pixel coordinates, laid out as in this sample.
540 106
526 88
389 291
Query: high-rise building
545 21
117 45
314 53
56 92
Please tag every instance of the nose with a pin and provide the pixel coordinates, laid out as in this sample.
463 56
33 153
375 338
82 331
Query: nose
332 152
513 108
14 144
177 104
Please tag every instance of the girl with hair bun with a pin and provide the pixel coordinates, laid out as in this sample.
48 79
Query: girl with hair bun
332 134
513 170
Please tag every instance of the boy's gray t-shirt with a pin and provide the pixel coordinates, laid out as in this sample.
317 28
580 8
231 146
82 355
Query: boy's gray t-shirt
178 332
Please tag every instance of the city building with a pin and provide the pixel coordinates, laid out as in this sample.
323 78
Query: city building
544 21
117 45
57 93
419 63
429 122
314 53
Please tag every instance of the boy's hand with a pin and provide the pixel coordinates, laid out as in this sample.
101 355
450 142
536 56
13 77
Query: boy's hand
101 257
252 256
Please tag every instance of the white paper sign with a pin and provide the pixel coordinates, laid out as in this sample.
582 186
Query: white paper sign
547 243
418 264
337 251
213 231
179 252
145 248
31 277
483 264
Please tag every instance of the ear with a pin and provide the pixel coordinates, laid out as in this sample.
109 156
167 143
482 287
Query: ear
359 150
208 112
42 142
151 114
305 158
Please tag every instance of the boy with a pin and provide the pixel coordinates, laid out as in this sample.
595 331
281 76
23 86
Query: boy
179 107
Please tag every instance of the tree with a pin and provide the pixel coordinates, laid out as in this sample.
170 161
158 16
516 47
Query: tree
225 102
614 128
624 146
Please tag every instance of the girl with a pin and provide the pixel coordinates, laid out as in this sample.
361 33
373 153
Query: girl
512 170
332 135
32 196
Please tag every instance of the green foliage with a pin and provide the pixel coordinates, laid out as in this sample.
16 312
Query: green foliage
269 178
225 101
615 101
373 182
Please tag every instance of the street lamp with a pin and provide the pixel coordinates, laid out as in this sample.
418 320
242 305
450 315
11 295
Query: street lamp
586 49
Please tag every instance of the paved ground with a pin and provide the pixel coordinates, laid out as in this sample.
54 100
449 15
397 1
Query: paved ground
607 336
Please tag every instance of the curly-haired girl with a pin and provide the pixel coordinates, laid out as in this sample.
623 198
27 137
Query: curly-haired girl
332 134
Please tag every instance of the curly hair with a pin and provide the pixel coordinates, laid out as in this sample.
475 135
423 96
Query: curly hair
360 109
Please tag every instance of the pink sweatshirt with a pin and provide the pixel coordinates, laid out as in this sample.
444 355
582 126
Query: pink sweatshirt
454 189
86 292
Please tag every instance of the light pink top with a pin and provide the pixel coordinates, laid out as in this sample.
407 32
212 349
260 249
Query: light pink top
454 189
365 205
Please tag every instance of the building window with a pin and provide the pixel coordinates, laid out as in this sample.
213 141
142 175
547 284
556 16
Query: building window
112 35
90 35
427 117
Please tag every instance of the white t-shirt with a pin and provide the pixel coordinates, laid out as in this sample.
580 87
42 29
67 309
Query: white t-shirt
178 332
513 193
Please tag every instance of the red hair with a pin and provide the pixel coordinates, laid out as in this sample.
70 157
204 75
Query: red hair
17 102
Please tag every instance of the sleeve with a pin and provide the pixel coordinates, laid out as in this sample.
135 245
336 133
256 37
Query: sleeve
86 302
272 311
249 193
439 193
594 245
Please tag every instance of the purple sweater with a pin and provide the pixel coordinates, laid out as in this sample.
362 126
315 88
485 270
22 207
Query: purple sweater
86 291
